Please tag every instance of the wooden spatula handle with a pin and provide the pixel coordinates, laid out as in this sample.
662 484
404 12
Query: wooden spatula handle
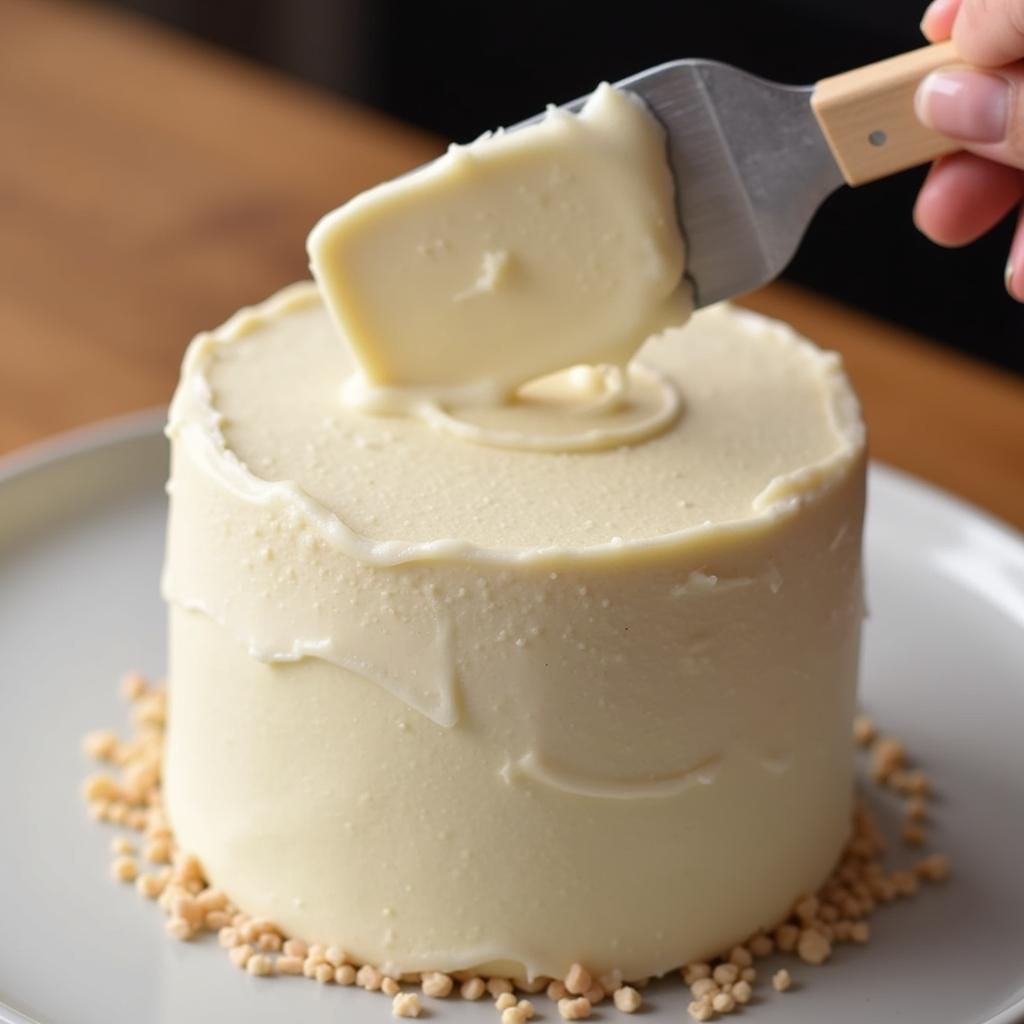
868 118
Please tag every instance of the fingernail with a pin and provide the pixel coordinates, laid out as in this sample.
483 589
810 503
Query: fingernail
972 106
1008 279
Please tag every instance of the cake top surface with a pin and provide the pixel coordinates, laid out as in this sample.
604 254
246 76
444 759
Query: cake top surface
759 417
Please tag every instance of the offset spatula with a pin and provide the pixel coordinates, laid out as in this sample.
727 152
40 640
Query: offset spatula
753 160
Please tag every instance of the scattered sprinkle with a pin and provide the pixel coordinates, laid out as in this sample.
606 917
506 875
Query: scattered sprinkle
133 686
742 992
741 956
289 965
578 980
100 745
473 989
627 999
158 851
240 954
913 834
786 936
149 886
813 946
124 869
695 971
704 987
864 731
533 987
179 928
260 965
887 756
100 787
701 1009
916 808
406 1004
215 920
574 1009
725 974
439 986
370 978
723 1002
334 955
934 868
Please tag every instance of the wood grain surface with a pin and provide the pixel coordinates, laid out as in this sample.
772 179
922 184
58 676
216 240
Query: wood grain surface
149 186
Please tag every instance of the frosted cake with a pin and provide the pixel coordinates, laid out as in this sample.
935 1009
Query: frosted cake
557 672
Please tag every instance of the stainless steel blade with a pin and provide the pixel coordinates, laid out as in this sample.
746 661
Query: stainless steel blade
751 167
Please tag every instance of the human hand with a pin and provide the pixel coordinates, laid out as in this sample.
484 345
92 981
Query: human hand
968 193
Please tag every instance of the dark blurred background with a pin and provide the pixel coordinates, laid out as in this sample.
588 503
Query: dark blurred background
458 68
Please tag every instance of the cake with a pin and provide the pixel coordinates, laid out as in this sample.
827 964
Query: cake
447 705
508 679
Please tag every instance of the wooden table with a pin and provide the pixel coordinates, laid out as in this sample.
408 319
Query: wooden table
149 186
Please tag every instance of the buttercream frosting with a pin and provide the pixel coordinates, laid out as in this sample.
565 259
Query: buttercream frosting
452 704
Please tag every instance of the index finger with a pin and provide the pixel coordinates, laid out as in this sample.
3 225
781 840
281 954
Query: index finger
990 33
937 23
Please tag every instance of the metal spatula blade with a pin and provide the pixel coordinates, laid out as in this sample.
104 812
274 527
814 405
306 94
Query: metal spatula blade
751 166
753 159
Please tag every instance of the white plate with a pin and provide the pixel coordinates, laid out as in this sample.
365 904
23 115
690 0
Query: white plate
81 539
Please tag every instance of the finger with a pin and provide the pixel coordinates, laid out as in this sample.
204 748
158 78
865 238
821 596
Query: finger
990 32
937 23
964 196
1015 264
982 109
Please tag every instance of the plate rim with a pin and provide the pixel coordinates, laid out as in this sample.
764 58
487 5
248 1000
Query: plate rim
80 440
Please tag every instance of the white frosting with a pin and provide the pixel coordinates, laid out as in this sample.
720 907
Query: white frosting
449 704
510 258
629 406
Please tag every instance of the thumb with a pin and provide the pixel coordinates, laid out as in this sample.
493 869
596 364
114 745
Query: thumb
984 110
